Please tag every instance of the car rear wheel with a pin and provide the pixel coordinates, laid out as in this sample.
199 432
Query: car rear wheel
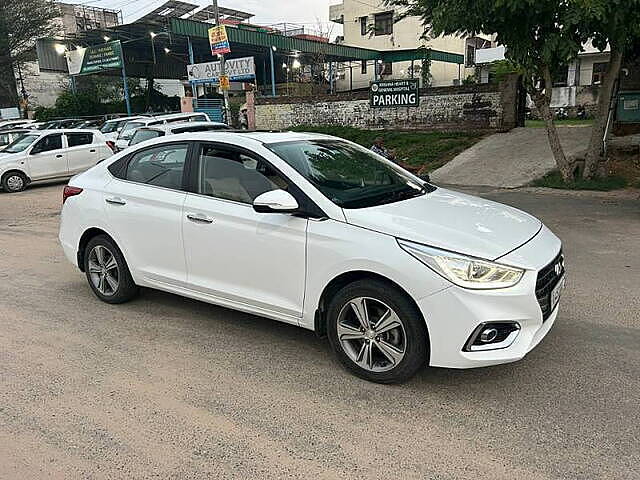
107 271
377 332
14 182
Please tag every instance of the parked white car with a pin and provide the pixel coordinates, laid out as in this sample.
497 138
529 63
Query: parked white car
18 123
319 232
128 130
50 154
149 133
111 128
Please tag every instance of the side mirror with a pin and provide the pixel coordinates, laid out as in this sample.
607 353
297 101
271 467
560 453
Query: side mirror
275 201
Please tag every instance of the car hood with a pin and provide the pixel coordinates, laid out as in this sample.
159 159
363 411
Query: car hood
451 221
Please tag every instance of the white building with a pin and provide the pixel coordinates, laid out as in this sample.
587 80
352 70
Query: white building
378 28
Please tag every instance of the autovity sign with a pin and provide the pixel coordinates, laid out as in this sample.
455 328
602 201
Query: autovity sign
237 69
395 93
83 61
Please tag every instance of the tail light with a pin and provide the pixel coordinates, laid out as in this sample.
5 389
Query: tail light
70 192
112 146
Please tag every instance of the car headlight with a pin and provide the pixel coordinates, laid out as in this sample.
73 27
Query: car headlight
467 272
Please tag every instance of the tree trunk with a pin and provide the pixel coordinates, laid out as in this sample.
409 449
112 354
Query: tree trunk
543 103
595 155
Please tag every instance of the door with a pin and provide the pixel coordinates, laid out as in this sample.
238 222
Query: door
81 152
48 158
246 258
144 210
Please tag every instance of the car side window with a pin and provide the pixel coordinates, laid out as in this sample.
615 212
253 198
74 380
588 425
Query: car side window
48 143
231 175
160 166
77 139
4 139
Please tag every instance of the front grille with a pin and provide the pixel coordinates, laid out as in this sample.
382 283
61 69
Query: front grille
548 278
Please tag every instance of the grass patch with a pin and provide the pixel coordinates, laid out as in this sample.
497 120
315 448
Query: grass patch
568 122
425 151
555 180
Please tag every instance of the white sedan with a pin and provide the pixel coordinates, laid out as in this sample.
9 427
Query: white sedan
321 233
49 155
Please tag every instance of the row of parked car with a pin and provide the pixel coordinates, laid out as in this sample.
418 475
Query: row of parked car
30 153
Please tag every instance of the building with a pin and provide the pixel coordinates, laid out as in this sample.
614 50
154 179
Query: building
378 28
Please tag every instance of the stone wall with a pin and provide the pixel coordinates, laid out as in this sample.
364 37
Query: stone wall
464 107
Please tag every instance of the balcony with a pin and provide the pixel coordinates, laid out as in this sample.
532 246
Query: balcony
336 13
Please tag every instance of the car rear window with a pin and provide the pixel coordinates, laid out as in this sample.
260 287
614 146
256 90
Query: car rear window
143 135
77 139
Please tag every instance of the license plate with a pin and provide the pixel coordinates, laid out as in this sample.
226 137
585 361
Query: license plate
556 293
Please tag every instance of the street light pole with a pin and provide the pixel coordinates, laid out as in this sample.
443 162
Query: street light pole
223 69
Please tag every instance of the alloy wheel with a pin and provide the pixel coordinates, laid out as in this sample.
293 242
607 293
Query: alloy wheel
371 334
103 270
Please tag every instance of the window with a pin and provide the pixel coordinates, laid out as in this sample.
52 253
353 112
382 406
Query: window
364 27
77 139
143 134
129 129
386 68
231 175
384 23
161 166
21 143
471 56
561 76
599 70
198 118
48 144
348 175
5 139
363 68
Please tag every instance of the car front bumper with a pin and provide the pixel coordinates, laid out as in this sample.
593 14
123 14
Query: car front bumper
454 314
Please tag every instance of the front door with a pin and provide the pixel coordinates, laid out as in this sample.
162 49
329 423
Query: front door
48 158
82 153
144 209
247 259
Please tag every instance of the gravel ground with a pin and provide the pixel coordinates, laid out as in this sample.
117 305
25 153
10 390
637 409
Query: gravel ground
166 387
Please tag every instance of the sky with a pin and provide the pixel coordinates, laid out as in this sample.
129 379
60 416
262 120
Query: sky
309 12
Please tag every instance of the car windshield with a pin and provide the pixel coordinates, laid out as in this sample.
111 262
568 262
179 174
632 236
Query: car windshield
21 144
128 130
347 174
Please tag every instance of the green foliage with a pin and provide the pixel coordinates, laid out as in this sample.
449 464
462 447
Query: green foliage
567 122
554 180
499 70
428 150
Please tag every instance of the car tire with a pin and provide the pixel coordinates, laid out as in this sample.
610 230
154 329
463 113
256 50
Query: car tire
14 182
107 271
382 353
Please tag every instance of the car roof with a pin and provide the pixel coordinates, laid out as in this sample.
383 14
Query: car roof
125 119
165 127
266 138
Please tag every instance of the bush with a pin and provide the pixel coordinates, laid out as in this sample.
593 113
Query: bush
554 180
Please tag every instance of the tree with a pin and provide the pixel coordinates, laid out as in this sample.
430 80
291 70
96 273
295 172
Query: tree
613 23
21 22
541 38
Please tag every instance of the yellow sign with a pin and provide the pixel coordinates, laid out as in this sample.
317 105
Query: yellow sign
225 84
219 40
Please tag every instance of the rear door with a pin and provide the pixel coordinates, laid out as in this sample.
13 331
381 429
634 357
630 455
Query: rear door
48 158
144 209
82 153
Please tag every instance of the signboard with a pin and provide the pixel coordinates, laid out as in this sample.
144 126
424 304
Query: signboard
394 93
10 113
219 40
237 69
224 82
83 61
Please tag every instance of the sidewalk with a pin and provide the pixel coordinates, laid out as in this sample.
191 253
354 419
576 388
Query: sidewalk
510 160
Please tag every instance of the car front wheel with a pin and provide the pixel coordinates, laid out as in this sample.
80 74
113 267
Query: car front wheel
107 271
14 182
377 332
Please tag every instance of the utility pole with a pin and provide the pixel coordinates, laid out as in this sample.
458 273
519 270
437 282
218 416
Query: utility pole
223 70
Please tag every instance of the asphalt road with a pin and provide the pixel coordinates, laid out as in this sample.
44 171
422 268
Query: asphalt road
170 388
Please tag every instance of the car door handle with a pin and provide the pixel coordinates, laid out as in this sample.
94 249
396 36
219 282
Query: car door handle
199 218
115 201
59 156
92 151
